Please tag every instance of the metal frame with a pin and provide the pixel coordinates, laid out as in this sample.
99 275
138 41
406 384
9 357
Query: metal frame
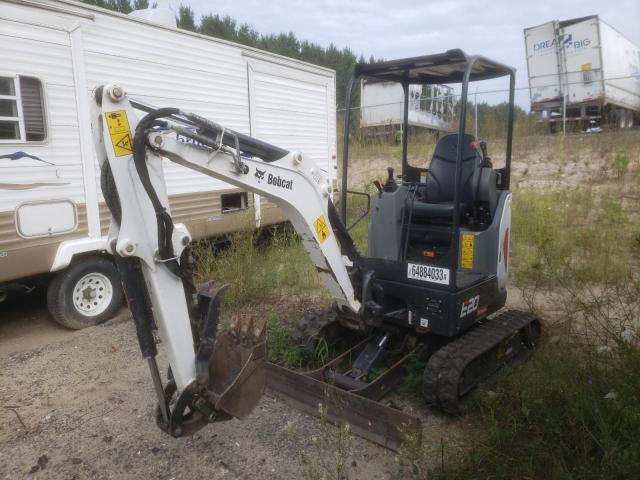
19 118
495 70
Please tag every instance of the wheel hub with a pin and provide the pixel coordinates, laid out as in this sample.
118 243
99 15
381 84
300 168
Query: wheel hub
92 294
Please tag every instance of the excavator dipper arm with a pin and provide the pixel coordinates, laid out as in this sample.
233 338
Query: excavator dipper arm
212 377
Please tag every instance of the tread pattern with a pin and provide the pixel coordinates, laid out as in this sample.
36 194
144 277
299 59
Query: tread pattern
311 326
445 368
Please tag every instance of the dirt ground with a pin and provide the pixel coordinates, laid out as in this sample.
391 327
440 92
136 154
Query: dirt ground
80 405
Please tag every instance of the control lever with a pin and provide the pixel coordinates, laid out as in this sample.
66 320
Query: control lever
390 185
486 160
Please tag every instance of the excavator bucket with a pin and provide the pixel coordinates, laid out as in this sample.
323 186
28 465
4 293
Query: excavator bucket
237 368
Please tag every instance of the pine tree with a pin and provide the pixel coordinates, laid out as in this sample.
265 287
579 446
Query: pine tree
122 6
140 4
186 18
220 27
247 35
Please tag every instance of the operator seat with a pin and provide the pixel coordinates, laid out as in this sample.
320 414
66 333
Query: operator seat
435 198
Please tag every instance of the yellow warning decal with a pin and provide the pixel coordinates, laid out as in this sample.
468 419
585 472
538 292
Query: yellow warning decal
119 132
321 228
466 257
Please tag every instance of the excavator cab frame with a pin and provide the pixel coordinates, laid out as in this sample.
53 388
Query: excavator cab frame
451 67
434 279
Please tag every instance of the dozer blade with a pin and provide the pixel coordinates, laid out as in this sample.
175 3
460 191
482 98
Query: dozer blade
369 419
237 375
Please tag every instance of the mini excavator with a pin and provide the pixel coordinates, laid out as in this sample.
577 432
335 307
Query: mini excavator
433 285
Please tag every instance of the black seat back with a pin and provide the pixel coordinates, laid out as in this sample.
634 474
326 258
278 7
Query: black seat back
440 181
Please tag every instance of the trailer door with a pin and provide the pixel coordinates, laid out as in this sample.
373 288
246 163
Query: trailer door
581 48
543 63
293 108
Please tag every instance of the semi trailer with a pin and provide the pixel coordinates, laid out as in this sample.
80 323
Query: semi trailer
582 71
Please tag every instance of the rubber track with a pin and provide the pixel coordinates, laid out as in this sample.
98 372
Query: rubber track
445 367
311 324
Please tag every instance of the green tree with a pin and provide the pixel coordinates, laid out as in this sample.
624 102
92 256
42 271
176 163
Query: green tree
122 6
220 27
186 18
98 3
247 35
142 4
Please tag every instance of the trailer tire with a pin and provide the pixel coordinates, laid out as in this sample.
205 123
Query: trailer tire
85 294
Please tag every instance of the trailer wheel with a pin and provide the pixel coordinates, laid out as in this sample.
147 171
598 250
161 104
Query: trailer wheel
85 294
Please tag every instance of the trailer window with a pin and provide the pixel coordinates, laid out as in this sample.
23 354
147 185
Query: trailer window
233 202
22 116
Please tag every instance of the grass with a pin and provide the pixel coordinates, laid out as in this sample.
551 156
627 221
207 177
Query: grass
568 413
283 349
261 267
575 227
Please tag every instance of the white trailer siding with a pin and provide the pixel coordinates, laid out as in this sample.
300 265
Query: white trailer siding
171 70
582 59
37 44
621 68
543 63
61 161
382 103
72 48
290 108
581 62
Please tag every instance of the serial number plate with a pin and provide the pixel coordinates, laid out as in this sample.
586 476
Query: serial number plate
427 273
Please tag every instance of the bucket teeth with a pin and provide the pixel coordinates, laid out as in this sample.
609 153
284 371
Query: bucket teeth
249 331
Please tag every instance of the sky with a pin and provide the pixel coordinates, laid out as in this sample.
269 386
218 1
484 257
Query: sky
405 28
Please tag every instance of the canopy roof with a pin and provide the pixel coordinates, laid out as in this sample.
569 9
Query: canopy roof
447 67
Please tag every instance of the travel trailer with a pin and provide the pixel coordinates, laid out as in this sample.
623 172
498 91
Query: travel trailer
53 53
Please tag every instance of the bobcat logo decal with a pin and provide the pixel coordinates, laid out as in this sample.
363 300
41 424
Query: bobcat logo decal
260 174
